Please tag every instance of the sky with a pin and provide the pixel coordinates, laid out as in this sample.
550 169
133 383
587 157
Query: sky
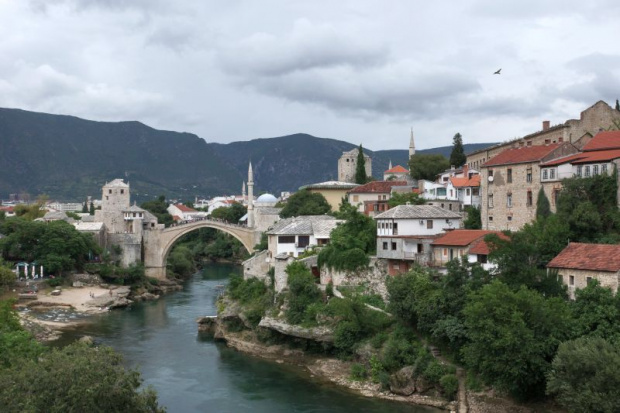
361 71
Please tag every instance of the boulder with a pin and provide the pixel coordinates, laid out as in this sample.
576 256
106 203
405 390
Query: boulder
207 324
322 333
403 381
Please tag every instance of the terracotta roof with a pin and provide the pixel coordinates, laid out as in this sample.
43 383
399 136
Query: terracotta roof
6 208
586 157
604 140
184 208
464 182
522 155
481 247
594 257
377 187
461 237
397 170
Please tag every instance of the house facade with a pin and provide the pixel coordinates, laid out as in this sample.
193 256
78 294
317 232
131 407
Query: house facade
182 212
332 191
372 198
580 263
511 182
405 234
292 236
457 244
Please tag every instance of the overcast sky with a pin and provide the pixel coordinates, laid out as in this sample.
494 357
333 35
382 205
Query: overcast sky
362 71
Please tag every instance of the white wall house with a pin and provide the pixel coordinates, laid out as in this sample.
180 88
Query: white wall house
292 236
184 213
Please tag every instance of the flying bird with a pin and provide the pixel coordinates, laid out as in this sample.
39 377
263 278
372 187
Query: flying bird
498 72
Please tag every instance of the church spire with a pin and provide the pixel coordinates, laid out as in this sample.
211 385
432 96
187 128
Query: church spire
411 145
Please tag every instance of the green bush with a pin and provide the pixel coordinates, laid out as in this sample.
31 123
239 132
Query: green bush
329 289
303 292
55 282
399 352
449 386
358 372
378 339
434 372
347 336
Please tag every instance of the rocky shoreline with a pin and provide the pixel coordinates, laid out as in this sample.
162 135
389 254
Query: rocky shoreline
323 368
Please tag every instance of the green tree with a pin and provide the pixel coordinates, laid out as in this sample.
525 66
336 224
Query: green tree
232 213
457 156
617 105
403 198
305 202
584 376
597 312
85 207
474 220
360 167
427 166
303 291
543 208
513 336
159 208
91 210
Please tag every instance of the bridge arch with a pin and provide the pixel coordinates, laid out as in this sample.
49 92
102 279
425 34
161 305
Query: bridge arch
158 245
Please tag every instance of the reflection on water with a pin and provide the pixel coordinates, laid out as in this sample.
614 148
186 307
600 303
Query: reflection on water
192 373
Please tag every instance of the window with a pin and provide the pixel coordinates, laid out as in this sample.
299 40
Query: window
545 174
586 171
445 252
571 279
490 218
509 200
396 266
395 230
509 175
385 245
482 259
490 200
356 198
552 173
429 224
528 175
594 169
475 191
393 246
529 201
122 191
303 241
490 172
579 170
588 280
420 248
604 168
286 239
109 191
509 217
450 207
547 141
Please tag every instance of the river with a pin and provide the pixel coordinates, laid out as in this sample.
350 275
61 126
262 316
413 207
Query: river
192 373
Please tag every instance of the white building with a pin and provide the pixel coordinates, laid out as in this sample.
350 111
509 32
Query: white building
182 212
292 236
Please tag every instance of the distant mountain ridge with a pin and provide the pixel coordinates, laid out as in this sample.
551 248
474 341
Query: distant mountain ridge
70 158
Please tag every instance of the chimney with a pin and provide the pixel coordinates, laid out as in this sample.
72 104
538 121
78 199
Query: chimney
545 125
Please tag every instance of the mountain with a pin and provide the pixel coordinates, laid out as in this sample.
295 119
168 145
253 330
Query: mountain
70 158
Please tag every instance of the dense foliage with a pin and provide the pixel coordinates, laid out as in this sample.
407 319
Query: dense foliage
303 292
351 242
427 166
159 208
305 202
474 219
56 245
410 198
231 214
75 378
360 167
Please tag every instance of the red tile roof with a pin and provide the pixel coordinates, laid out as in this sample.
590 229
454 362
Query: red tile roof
465 182
461 237
522 154
184 208
6 208
586 157
593 257
480 247
604 140
377 187
397 170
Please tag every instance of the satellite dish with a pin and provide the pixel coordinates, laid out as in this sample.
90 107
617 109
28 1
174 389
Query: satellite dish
491 178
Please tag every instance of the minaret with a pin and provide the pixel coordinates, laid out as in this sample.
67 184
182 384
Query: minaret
390 166
250 197
411 145
243 191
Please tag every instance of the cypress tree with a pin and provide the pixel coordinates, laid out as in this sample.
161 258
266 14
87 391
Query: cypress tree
85 207
92 208
360 168
617 105
457 156
543 208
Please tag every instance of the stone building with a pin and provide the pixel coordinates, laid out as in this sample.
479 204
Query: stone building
597 117
578 264
372 198
348 163
511 184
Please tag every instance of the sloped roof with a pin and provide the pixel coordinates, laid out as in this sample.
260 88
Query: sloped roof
397 170
481 247
117 183
593 257
268 211
330 185
377 187
461 237
88 226
603 140
586 157
304 225
466 182
418 212
184 208
522 154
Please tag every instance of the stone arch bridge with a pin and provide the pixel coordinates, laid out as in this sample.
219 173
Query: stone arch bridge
159 242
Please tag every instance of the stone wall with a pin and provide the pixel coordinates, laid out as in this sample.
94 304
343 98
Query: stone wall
605 279
374 276
131 245
257 266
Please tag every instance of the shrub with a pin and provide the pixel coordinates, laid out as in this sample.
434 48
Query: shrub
329 289
399 352
358 372
303 291
434 372
449 385
55 282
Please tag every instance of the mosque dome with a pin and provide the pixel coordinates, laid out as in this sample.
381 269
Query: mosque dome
267 199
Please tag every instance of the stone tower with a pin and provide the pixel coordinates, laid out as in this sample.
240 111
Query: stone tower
348 163
411 145
114 199
250 197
